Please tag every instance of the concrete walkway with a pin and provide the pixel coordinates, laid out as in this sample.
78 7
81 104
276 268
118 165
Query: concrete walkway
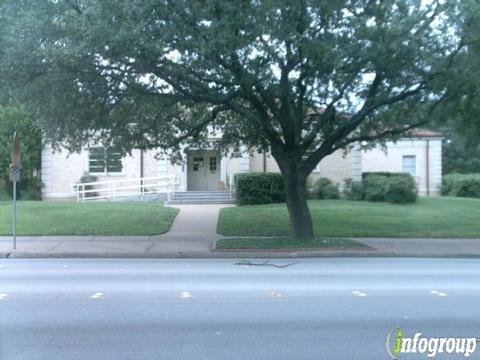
192 234
196 221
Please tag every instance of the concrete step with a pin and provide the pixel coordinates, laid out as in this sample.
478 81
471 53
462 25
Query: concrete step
198 201
201 197
202 193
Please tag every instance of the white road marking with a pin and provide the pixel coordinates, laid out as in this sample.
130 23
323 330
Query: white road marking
97 295
186 295
359 293
3 296
275 294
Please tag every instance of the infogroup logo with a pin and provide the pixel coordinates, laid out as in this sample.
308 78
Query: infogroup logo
397 343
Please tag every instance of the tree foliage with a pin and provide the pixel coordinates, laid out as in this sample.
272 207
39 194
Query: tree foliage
15 119
461 148
303 78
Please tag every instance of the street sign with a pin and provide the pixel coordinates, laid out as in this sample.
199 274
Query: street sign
14 173
16 154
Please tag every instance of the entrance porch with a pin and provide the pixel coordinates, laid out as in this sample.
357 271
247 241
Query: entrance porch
204 170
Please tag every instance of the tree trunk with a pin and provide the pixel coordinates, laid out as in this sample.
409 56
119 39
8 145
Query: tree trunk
295 189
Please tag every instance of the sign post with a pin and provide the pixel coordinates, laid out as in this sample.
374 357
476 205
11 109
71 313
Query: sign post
14 177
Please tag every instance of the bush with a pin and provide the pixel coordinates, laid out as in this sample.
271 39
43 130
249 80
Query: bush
32 190
87 178
374 188
353 190
259 188
386 174
324 188
461 185
401 190
398 188
27 189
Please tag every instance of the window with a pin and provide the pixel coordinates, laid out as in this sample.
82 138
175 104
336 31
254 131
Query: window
409 164
162 166
197 163
213 164
104 161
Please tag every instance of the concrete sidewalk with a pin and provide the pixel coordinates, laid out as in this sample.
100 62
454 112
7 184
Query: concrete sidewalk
192 234
200 246
424 247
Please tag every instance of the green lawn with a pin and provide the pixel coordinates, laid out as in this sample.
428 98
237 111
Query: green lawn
3 195
288 243
89 218
429 217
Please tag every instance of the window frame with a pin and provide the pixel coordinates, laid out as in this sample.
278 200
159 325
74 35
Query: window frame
105 172
213 169
414 162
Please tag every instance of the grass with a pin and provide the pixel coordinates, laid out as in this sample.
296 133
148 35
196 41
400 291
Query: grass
4 195
288 243
89 218
429 217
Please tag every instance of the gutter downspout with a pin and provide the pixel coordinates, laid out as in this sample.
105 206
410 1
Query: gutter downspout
427 150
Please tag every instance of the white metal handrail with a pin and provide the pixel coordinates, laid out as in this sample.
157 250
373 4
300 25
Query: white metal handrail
111 189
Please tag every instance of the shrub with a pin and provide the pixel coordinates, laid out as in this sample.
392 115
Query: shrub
259 188
324 188
87 178
27 189
398 188
353 190
32 190
374 188
386 174
461 185
401 190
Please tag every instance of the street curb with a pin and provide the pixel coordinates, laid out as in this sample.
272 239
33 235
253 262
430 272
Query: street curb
366 249
235 255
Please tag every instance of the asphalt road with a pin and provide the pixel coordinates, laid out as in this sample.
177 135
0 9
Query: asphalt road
336 308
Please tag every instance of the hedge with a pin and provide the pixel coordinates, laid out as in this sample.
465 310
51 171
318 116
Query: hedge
397 188
259 188
386 174
324 188
352 190
461 185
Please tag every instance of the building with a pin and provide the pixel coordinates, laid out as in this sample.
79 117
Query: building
208 170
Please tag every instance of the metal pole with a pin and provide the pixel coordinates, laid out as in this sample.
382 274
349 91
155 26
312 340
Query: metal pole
14 215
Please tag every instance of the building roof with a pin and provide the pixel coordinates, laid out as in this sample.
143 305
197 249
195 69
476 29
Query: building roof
424 133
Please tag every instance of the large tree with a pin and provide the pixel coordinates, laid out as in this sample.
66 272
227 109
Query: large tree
301 78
